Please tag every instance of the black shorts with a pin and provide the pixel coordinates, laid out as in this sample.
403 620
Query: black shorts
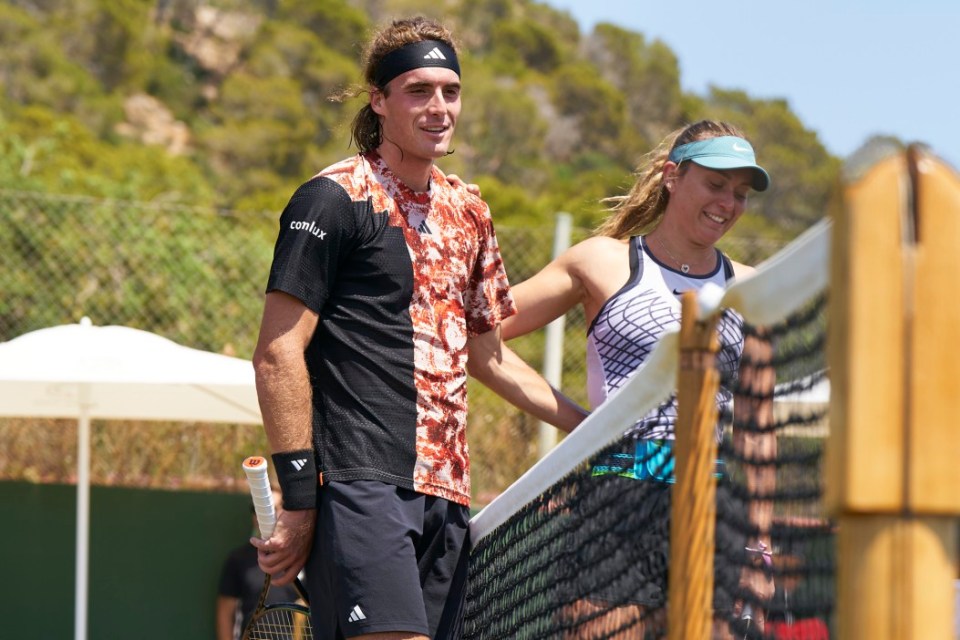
622 544
385 559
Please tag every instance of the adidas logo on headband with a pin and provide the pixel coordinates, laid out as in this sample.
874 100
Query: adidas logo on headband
423 53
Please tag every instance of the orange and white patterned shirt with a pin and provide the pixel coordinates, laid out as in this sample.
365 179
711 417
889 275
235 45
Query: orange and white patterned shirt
400 280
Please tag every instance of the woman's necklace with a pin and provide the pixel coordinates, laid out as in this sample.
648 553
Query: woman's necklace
684 266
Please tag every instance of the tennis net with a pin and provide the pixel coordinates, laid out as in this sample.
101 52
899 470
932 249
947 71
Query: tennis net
578 546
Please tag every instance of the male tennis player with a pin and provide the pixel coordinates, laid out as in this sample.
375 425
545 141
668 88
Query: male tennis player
385 279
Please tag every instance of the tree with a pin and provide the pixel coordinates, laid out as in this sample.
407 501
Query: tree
597 109
43 150
501 132
563 117
803 174
335 23
647 75
285 50
524 45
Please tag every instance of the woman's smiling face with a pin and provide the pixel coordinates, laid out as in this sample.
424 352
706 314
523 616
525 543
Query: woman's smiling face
706 203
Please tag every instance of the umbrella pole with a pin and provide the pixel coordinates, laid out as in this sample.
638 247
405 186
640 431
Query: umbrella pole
83 518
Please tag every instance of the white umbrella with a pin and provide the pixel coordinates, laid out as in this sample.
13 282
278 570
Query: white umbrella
813 395
83 371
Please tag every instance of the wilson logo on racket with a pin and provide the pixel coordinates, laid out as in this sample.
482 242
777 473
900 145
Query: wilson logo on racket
299 464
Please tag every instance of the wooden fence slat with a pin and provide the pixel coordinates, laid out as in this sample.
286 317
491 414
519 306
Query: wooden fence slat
933 444
866 344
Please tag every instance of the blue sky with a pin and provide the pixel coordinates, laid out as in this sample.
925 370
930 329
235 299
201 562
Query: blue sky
849 69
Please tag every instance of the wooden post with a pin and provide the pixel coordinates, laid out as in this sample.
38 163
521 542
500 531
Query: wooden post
933 408
866 343
892 459
933 441
693 518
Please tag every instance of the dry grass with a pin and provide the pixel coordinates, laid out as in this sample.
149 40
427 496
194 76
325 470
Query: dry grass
162 455
134 454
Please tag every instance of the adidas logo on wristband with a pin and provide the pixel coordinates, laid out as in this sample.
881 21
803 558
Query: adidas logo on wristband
296 474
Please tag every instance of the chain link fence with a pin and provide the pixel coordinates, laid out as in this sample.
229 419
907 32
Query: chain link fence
196 276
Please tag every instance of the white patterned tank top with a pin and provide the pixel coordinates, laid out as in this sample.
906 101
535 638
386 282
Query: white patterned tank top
632 321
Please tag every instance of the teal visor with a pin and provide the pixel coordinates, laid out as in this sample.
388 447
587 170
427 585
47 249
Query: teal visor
724 152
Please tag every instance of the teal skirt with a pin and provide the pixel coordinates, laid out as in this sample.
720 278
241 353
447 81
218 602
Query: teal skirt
649 460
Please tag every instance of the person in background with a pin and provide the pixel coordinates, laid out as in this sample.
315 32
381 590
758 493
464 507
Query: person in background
659 242
785 625
387 288
241 581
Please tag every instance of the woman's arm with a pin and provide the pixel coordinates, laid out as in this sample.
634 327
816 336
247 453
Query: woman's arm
587 273
499 368
758 443
757 446
542 298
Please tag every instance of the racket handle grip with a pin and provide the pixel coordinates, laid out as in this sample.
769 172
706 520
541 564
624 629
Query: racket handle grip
255 468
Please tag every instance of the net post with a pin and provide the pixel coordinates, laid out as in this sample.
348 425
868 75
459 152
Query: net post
865 475
932 438
933 444
693 516
891 466
866 343
547 435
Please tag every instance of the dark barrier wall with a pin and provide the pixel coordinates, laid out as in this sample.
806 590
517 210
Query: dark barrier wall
154 560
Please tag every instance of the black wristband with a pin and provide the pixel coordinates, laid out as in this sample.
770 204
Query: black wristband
297 475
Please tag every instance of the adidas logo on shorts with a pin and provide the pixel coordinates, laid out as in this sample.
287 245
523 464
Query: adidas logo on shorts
357 614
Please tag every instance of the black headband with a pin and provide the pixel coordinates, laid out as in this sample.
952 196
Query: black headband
425 53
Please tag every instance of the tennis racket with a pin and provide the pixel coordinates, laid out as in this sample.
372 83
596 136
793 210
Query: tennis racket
283 621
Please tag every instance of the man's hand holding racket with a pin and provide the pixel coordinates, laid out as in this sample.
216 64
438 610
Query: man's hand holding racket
285 536
283 554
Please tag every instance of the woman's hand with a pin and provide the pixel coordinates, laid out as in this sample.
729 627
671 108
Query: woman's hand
756 578
457 181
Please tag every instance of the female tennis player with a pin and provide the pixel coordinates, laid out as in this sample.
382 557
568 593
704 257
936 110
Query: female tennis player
659 242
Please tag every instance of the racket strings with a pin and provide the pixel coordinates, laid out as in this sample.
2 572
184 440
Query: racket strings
280 622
